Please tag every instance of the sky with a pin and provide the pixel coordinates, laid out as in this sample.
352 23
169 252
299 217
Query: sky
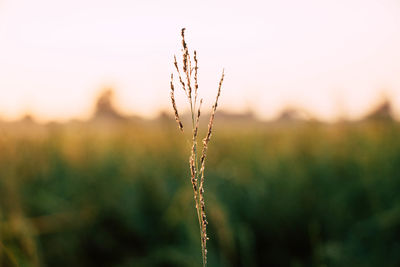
333 58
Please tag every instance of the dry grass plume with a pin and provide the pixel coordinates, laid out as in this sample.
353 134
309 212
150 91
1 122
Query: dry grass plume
188 79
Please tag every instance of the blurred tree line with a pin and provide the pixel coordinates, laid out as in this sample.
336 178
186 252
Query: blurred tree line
115 191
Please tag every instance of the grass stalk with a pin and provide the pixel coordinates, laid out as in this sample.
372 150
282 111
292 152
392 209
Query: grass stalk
197 167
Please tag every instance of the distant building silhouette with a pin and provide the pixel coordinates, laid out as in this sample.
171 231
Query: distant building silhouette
105 109
27 118
247 116
291 114
382 112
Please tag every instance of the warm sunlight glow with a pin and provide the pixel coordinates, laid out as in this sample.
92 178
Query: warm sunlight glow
333 58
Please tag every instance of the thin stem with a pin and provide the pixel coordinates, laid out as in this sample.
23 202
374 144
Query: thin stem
196 163
196 173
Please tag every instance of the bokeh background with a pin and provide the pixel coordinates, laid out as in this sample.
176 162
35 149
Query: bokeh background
303 167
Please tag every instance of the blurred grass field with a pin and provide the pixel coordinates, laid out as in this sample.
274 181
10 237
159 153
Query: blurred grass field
307 194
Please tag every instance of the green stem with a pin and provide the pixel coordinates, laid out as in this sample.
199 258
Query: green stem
196 165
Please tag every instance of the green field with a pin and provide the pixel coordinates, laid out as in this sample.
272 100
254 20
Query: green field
119 194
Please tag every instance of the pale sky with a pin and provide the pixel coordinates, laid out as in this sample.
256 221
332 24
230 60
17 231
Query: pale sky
331 57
